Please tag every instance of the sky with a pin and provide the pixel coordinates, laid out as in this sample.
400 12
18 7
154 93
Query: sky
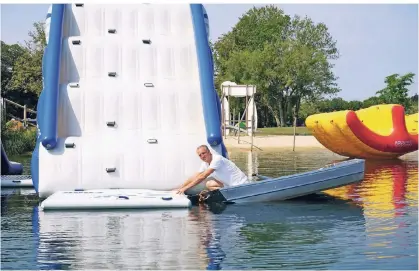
374 40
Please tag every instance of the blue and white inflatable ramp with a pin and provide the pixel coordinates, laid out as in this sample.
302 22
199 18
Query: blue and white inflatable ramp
128 96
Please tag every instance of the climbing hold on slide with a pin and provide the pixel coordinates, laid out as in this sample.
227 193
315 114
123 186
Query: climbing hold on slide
376 132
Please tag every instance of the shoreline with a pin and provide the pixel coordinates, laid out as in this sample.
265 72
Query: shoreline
282 141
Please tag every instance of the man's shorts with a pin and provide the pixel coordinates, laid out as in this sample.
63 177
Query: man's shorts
199 187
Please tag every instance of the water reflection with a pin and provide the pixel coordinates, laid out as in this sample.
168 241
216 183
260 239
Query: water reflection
368 225
387 189
259 235
119 240
280 162
389 197
214 237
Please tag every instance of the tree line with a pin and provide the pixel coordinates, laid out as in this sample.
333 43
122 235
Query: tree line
21 69
289 59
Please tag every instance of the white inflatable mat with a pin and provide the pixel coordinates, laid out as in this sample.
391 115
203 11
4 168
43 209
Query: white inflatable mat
114 199
16 181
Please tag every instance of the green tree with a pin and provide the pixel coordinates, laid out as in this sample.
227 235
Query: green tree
287 59
374 100
37 42
242 55
396 91
413 105
307 108
307 65
27 73
9 56
354 105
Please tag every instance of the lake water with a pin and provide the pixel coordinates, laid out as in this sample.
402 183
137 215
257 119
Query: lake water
369 225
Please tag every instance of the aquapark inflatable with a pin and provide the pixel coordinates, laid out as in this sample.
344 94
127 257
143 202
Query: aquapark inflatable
11 173
128 96
377 132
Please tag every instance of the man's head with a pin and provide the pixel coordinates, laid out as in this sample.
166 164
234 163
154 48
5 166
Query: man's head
204 153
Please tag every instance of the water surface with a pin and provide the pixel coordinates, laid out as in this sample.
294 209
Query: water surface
369 225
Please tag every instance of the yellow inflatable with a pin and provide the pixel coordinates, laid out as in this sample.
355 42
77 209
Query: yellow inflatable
377 132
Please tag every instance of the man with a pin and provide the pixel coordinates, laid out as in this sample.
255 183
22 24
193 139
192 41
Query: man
220 172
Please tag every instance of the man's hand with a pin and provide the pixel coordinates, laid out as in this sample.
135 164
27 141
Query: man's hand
181 191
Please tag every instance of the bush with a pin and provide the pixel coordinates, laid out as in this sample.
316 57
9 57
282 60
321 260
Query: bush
16 139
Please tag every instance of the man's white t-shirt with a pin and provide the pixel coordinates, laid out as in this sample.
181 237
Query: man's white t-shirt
225 171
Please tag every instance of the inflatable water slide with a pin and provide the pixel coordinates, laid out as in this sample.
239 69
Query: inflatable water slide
128 96
378 132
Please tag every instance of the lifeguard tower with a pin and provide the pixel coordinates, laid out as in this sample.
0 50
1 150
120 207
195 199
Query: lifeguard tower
246 122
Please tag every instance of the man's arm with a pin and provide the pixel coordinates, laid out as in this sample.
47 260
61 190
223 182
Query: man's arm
199 178
190 179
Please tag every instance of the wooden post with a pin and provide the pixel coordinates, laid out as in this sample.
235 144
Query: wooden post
295 127
253 121
234 116
25 111
2 109
238 126
245 113
253 114
5 111
227 122
223 118
25 123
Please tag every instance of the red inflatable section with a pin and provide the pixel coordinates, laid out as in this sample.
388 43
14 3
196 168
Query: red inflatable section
399 141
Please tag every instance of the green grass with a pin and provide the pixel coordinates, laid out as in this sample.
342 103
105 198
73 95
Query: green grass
282 131
17 141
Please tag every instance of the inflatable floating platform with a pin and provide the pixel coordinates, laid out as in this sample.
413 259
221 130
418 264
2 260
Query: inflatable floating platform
377 132
114 199
16 181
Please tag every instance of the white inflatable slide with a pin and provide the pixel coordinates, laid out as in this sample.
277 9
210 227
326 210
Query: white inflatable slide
128 96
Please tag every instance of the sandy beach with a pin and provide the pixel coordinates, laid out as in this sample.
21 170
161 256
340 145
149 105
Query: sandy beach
272 142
